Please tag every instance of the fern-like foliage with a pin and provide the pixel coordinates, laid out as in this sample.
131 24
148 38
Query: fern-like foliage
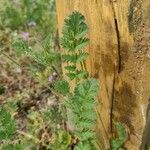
81 102
74 32
117 143
62 87
45 55
74 41
82 112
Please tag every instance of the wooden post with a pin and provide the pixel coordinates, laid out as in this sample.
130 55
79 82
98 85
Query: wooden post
120 59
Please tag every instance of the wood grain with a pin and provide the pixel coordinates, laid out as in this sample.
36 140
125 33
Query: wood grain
119 59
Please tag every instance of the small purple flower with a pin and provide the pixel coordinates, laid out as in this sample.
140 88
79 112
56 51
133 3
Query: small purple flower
25 36
32 24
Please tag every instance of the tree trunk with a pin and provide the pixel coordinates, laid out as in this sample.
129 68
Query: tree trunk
119 48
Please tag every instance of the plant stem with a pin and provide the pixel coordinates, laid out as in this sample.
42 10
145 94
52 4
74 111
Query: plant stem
29 136
11 59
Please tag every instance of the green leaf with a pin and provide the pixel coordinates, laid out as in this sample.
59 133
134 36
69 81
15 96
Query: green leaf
45 57
82 32
82 74
81 43
71 75
89 115
118 142
21 47
69 58
82 109
82 57
62 140
11 18
62 87
88 87
7 125
83 146
86 124
74 32
53 115
82 102
90 103
87 135
70 68
67 44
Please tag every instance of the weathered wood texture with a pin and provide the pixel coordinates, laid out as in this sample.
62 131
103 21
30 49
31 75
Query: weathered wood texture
120 58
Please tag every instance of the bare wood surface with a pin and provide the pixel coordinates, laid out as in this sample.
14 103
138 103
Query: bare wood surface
120 59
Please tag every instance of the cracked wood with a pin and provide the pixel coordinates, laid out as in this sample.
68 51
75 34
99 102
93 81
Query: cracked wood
116 61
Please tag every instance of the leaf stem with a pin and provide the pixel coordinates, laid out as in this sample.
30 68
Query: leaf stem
29 136
10 58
